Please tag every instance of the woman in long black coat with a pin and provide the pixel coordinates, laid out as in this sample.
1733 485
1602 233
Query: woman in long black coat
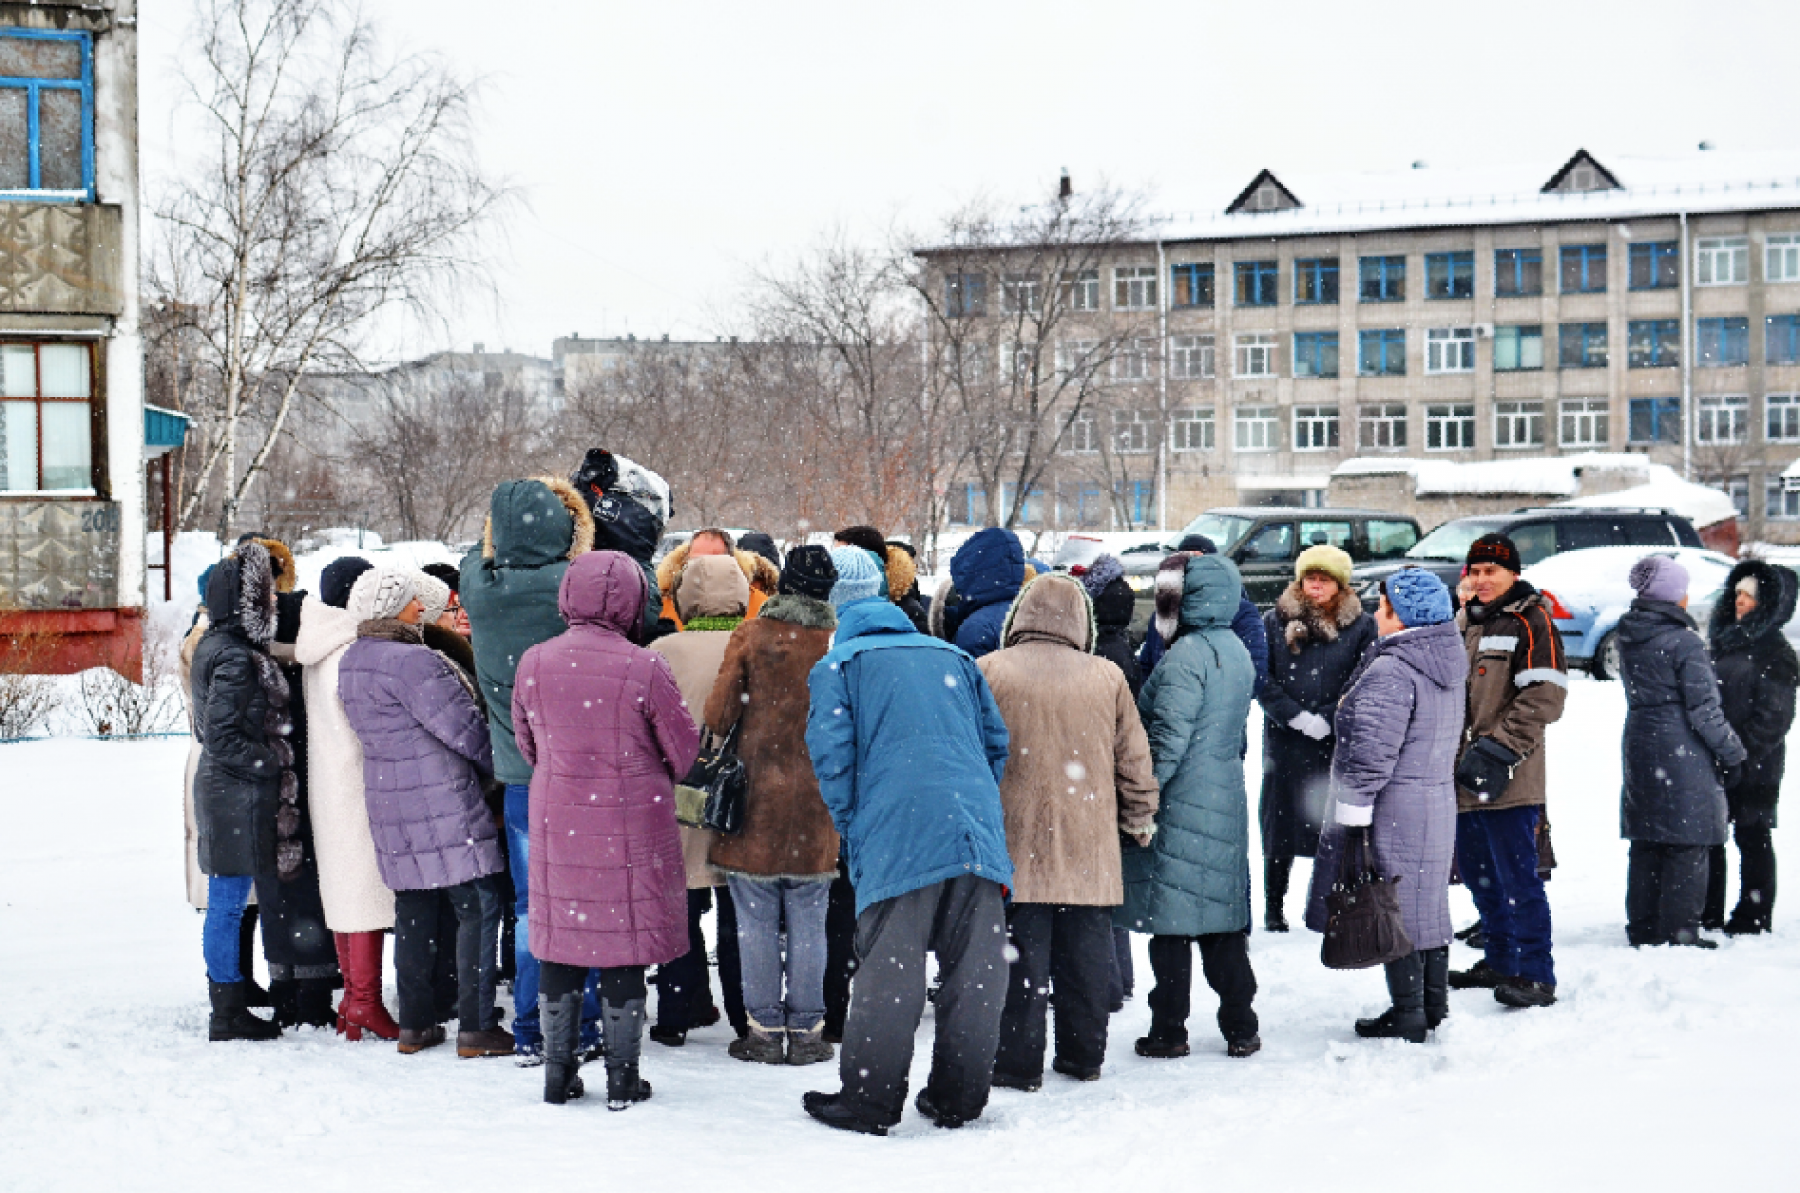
1317 635
1758 675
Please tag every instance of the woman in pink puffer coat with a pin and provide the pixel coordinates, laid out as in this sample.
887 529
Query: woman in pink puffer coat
602 723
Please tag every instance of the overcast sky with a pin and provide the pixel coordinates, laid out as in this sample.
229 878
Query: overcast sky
665 149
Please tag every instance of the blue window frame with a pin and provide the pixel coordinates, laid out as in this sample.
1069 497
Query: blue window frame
1584 269
1518 272
1582 345
1653 343
1256 283
1033 508
975 504
1655 420
1315 354
1191 285
1316 281
1720 343
46 114
1382 279
1654 265
965 295
1382 352
1449 275
1781 339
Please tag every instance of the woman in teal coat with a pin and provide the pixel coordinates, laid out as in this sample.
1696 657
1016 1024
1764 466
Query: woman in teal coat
1192 885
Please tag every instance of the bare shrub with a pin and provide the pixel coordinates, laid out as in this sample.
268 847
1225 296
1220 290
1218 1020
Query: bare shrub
26 697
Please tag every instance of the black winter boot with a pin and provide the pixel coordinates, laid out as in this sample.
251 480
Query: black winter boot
230 1021
284 997
254 995
1405 1020
561 1021
1437 986
312 1003
624 1045
1276 872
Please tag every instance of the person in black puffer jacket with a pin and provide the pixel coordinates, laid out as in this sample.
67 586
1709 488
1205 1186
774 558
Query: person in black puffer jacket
1758 674
1114 601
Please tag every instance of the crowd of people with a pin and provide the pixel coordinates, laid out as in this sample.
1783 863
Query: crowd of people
483 761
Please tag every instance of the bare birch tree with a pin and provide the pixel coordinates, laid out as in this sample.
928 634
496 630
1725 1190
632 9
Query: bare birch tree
338 185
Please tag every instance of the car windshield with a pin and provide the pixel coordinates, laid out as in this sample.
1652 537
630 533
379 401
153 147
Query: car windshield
1452 540
1223 529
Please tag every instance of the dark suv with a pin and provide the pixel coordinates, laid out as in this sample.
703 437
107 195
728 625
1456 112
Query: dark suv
1538 533
1264 541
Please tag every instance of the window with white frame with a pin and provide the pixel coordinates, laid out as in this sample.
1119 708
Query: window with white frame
1381 427
1081 291
1133 431
1075 358
1255 353
1134 287
1449 428
1190 357
1722 418
1131 360
1084 433
1018 362
1584 422
970 362
1780 503
1256 428
1781 258
1518 424
1021 293
1450 350
1193 429
1315 428
1738 488
1722 261
1783 412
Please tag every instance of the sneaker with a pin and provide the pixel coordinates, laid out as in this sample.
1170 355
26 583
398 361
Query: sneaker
1078 1072
1523 993
419 1041
1024 1085
1242 1048
833 1111
759 1047
1158 1049
1479 976
495 1041
941 1118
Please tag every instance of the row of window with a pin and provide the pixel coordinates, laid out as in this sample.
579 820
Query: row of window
1581 269
1449 426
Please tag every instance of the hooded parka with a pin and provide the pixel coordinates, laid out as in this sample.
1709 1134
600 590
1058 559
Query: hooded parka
988 572
1758 675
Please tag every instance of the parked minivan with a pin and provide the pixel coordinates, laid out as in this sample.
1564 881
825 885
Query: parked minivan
1264 541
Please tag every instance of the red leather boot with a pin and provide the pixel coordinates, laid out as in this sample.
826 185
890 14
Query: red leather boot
359 956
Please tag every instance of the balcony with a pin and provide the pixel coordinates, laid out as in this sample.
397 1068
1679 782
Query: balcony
60 258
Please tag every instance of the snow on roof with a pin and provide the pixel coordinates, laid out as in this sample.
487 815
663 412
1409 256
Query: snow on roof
1550 476
1665 489
1698 182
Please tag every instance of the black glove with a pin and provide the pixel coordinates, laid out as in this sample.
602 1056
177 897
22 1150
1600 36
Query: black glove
1730 773
1486 769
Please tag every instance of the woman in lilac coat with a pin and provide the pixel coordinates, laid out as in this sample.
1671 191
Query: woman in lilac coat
602 723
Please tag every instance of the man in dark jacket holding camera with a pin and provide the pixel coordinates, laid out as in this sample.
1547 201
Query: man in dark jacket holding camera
1518 683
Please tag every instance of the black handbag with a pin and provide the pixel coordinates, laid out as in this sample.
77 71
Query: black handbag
718 774
1363 925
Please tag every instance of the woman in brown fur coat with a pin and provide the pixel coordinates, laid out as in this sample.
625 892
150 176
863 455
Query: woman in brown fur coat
1317 635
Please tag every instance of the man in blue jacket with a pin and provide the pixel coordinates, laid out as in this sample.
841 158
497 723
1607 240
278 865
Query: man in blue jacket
909 748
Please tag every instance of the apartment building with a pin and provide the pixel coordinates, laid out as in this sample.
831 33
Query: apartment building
1604 304
73 478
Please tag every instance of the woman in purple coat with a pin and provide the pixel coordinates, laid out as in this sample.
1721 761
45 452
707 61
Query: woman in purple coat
602 723
1397 728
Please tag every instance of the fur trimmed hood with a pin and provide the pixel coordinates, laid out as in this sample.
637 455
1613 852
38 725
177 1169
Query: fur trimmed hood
241 594
518 530
281 563
902 573
763 576
798 610
1303 622
1195 591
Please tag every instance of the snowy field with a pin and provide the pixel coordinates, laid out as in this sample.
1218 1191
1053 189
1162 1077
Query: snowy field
1662 1069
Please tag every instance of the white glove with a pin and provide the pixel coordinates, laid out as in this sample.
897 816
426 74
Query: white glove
1311 724
1352 816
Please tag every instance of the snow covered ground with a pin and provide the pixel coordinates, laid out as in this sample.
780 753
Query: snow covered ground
1657 1070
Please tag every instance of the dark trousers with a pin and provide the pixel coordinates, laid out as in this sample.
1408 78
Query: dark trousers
840 952
1225 960
1497 855
1120 988
618 985
1665 890
444 959
1070 950
1756 879
963 921
296 943
684 985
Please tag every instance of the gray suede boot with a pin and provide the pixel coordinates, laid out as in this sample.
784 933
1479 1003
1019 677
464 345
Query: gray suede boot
624 1044
561 1022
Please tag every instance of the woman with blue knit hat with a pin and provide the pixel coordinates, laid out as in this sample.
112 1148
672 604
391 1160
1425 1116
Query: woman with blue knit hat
1397 728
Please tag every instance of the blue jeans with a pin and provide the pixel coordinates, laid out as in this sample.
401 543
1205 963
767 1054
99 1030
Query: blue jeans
1497 854
226 899
761 906
528 1036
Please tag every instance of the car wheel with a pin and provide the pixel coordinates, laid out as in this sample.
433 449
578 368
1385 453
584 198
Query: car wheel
1606 657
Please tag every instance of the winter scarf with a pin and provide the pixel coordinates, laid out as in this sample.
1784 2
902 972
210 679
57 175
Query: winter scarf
713 623
1303 622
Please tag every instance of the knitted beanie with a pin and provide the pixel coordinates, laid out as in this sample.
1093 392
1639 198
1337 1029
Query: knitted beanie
809 573
1333 561
1418 597
339 577
433 593
449 573
1495 548
1103 571
381 593
1659 578
859 577
1197 543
